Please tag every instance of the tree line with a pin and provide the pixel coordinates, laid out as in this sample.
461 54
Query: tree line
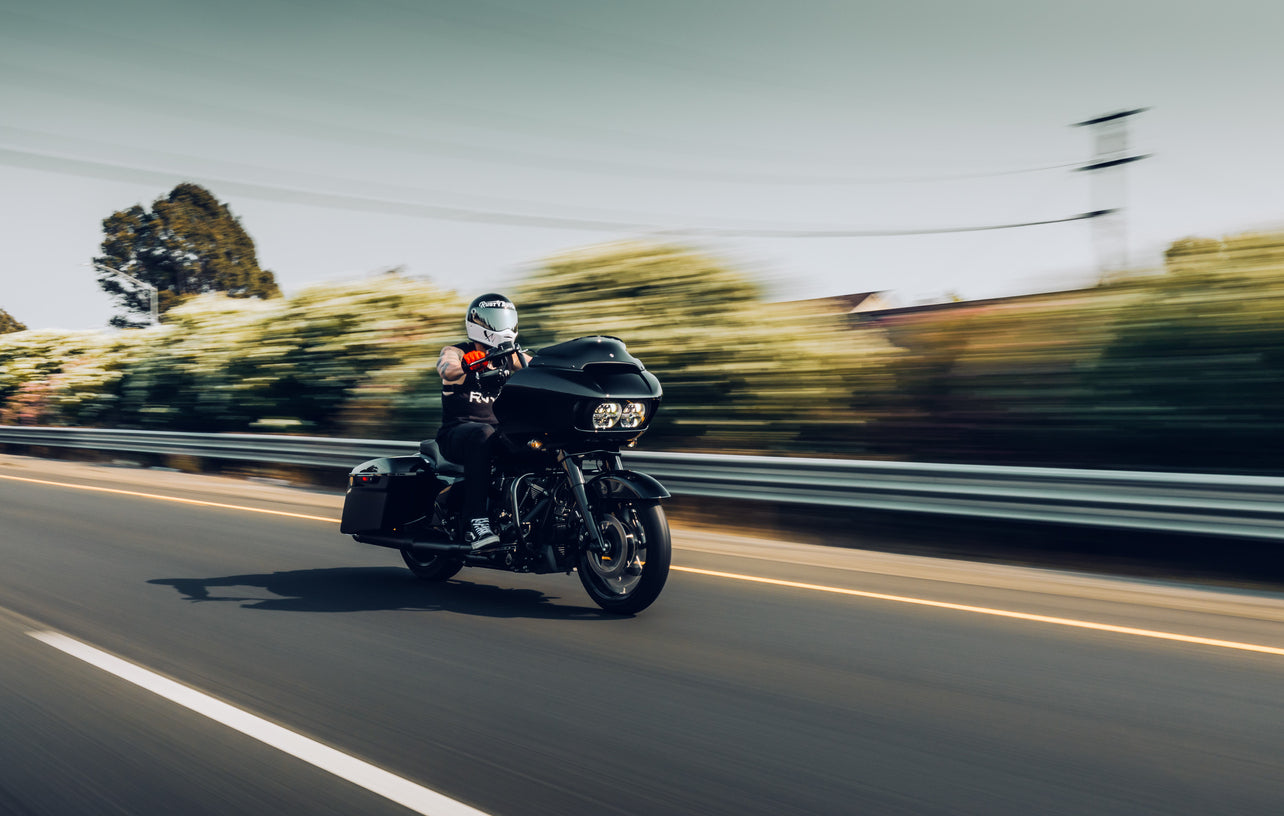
1180 369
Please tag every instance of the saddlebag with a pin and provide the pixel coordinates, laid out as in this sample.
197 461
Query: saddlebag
384 494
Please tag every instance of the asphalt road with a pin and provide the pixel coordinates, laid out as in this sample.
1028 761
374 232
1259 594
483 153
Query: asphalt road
859 682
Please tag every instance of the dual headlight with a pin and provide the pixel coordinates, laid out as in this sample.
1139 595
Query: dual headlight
626 415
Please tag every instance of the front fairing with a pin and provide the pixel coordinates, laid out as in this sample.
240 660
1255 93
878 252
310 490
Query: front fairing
585 351
552 399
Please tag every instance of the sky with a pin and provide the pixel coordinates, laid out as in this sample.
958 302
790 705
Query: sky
465 142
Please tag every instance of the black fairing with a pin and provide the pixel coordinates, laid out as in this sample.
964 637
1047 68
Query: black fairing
584 351
553 398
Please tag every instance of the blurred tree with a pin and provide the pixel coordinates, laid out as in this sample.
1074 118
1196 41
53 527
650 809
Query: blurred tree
341 359
1000 382
1193 261
1194 376
738 373
1182 371
8 324
188 244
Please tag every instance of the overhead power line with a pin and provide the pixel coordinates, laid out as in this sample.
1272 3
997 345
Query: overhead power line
137 175
847 233
823 180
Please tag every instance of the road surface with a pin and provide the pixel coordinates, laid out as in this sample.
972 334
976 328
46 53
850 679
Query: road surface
169 648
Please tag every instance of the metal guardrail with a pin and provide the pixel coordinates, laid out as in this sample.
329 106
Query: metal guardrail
1223 505
313 451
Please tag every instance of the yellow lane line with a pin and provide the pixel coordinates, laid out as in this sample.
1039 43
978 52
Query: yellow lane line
1001 613
857 593
137 494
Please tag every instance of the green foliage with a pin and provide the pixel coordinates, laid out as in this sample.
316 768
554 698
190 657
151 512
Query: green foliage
1195 371
355 359
1001 382
72 378
1182 370
9 324
360 359
188 244
738 373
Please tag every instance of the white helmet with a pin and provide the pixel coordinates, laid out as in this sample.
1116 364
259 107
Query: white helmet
491 320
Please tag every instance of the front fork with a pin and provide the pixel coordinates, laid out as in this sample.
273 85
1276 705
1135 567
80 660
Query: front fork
575 477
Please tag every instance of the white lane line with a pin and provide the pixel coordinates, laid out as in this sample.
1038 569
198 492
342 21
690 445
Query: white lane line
376 780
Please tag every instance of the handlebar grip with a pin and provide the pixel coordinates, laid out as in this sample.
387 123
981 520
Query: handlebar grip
475 359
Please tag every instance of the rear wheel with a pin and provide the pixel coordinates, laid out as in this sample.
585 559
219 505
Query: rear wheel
629 576
428 567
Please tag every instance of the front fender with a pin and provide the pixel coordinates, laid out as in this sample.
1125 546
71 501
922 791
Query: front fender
627 484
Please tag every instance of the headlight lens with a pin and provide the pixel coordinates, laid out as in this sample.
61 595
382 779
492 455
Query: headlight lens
633 415
606 415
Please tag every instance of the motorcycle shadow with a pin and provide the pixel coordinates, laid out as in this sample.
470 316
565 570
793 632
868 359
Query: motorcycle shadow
372 589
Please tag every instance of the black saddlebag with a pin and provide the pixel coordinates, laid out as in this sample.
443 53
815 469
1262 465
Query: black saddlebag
384 494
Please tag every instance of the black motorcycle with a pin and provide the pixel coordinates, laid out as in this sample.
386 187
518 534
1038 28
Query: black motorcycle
560 497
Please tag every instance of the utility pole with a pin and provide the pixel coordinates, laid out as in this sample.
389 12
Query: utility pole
1108 189
151 290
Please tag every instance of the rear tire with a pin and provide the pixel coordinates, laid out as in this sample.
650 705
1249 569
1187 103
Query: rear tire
629 578
431 567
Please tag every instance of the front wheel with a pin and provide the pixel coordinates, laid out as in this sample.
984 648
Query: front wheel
431 567
629 576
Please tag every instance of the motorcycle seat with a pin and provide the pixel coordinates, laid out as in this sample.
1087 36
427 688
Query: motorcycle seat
430 451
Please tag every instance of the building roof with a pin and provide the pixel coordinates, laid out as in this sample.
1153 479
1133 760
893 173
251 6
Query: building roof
844 304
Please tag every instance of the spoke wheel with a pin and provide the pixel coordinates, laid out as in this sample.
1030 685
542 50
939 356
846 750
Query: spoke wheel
628 577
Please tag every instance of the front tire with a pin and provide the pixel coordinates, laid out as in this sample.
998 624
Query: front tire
431 567
629 577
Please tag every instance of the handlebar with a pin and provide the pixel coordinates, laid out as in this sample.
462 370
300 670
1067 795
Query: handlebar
494 354
500 351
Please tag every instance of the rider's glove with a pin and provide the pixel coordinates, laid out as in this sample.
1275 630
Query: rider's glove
471 359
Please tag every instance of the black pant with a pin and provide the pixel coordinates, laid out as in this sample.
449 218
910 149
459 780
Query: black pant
468 444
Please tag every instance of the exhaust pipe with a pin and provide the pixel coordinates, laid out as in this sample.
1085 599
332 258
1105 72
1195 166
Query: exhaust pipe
440 547
384 541
397 543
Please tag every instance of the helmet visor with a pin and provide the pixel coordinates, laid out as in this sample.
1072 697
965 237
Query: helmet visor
495 315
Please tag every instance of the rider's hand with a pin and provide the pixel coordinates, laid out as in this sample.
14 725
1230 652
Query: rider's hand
471 359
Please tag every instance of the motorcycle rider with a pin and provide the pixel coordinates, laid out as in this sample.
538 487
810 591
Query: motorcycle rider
468 391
